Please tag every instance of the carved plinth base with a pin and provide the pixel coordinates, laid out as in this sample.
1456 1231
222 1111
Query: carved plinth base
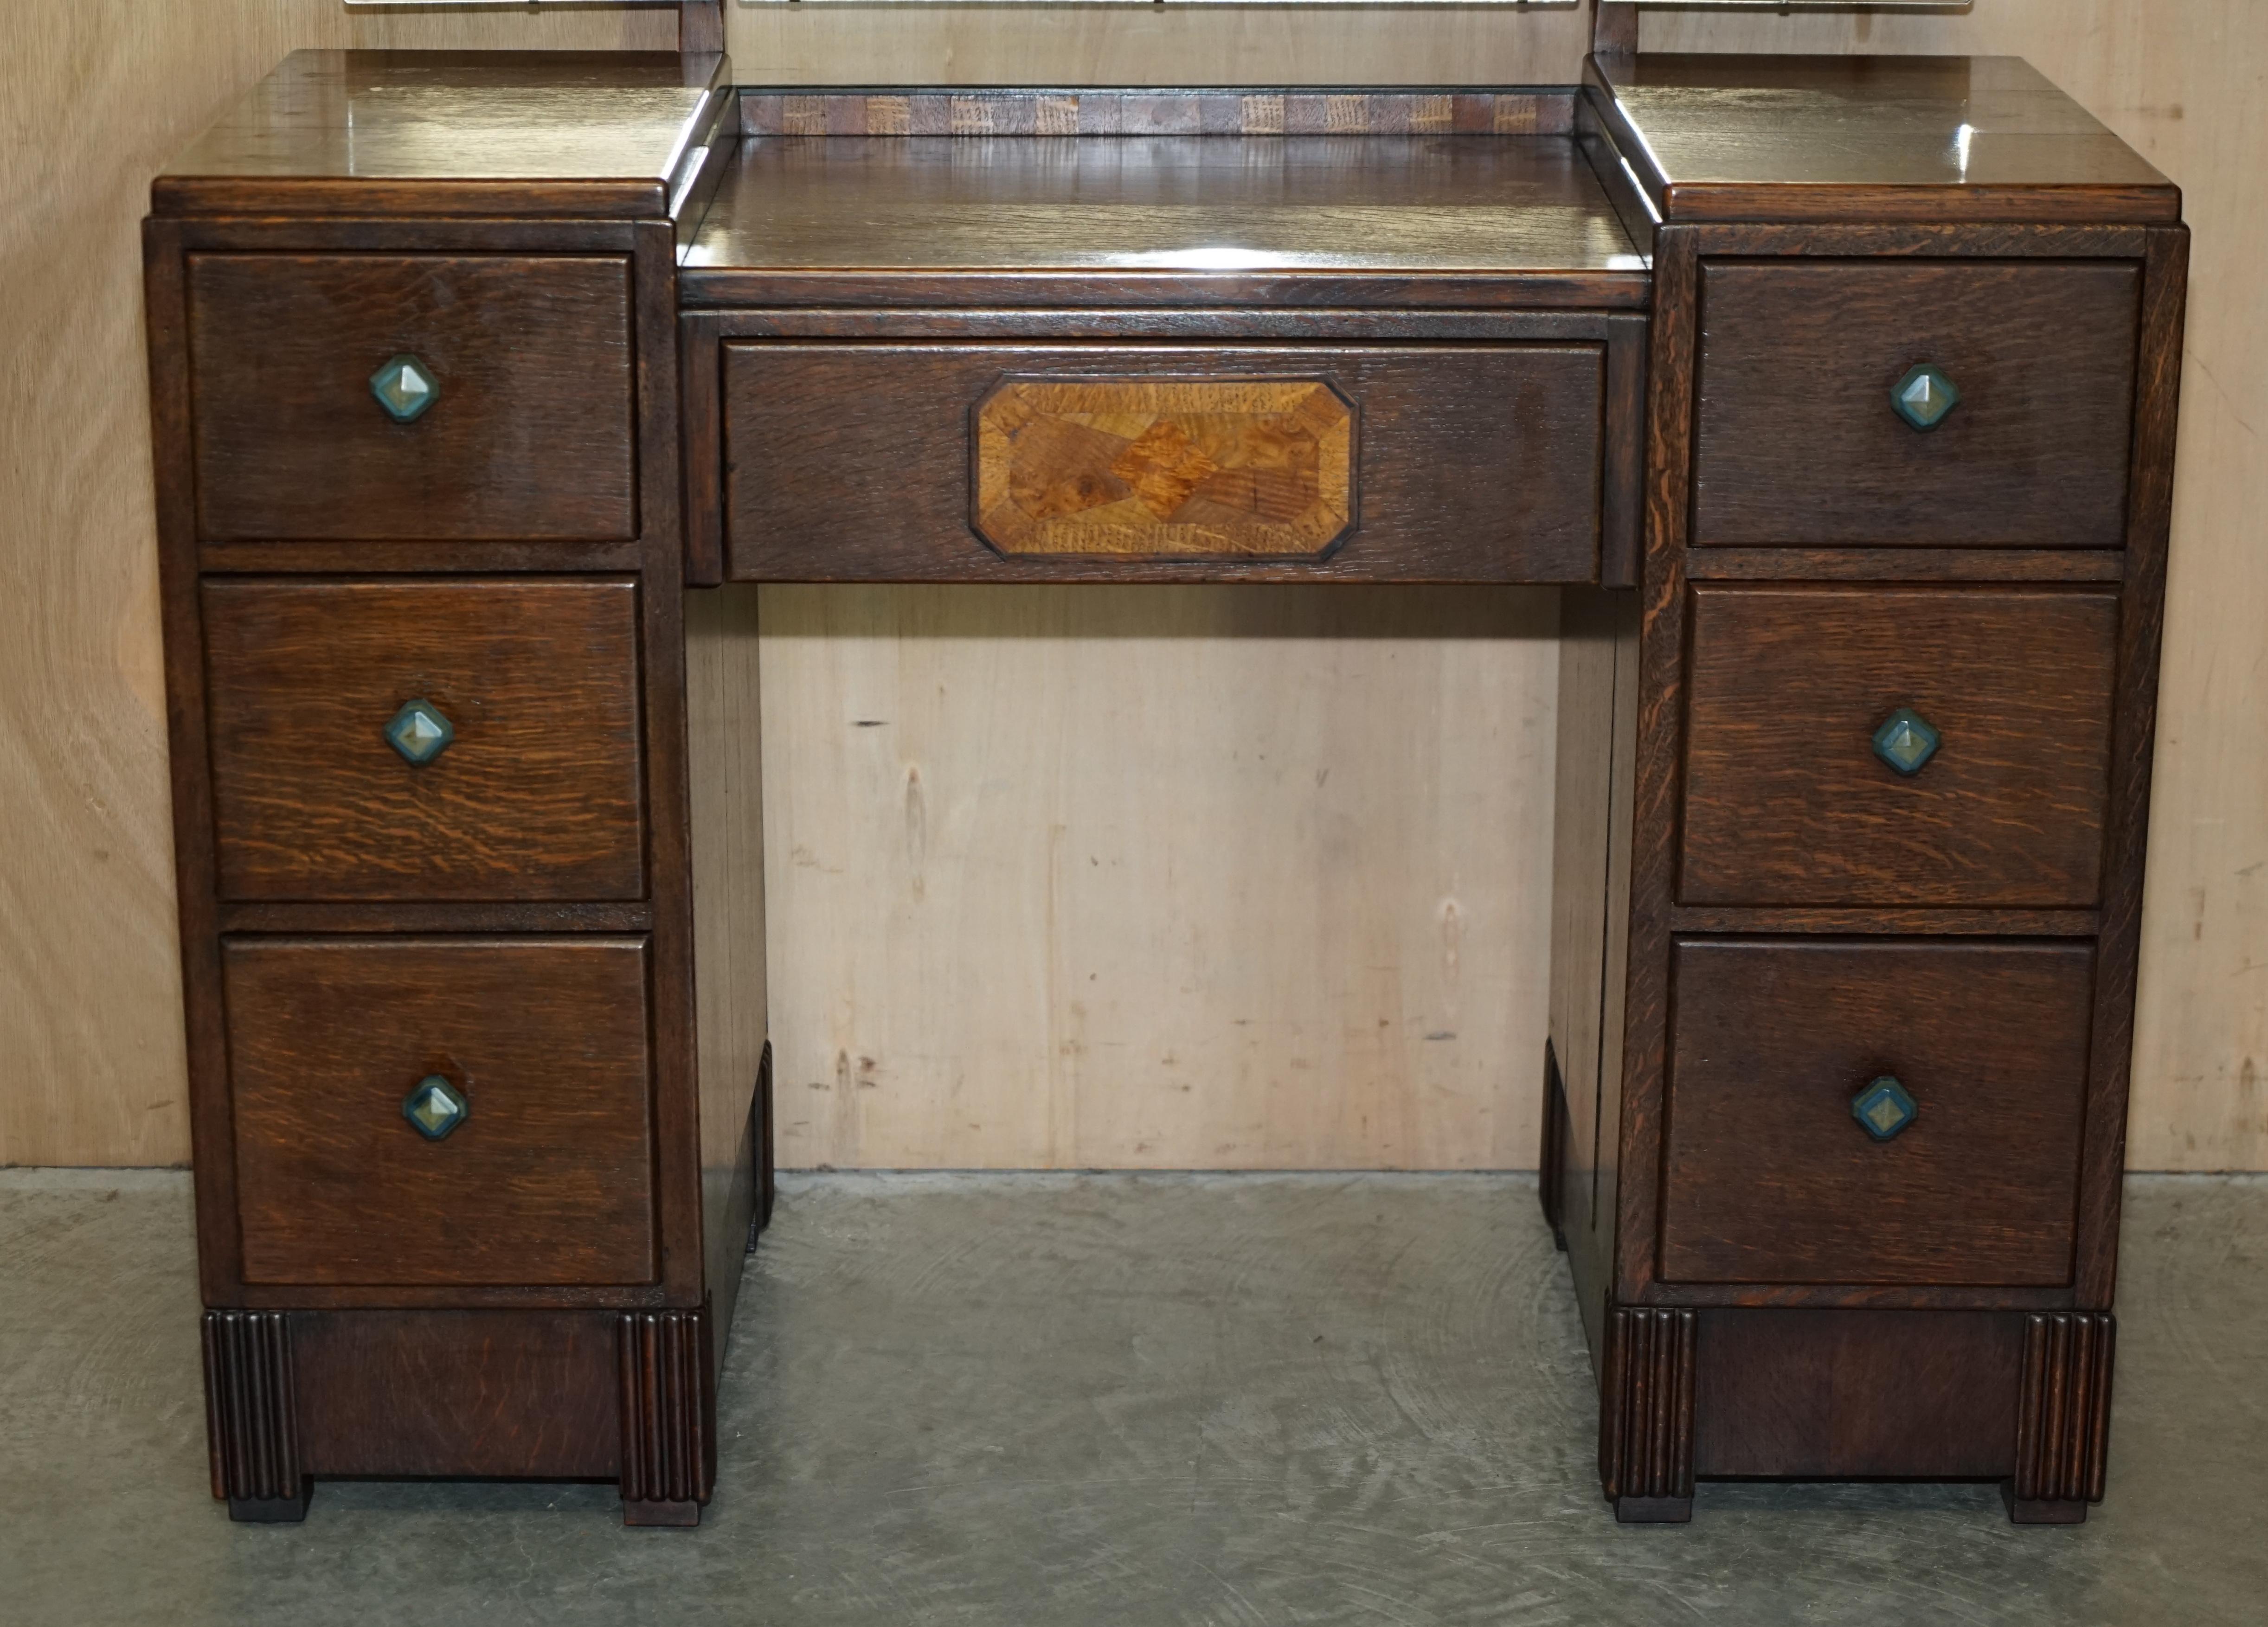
252 1416
1552 1166
2063 1417
668 1417
1645 1415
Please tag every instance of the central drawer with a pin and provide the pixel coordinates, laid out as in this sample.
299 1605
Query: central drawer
873 462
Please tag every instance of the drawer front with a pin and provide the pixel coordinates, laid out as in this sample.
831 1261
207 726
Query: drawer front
1798 441
547 1178
968 461
533 794
1789 801
522 430
1770 1175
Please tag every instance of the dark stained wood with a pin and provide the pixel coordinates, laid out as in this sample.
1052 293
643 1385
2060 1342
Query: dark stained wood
1202 324
981 112
1786 801
1966 138
1645 1414
700 27
388 916
1476 464
1937 923
1551 1158
1766 1177
369 558
530 437
1804 354
458 1392
1856 1395
252 1417
543 134
1190 220
664 1364
549 1180
538 796
1903 565
2063 1417
2150 496
1614 28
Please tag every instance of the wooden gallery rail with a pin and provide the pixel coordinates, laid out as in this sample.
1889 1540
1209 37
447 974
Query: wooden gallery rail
1837 394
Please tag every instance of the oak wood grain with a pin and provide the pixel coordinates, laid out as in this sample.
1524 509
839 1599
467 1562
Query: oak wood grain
549 1179
1806 353
529 438
1766 1177
1478 463
1786 801
539 796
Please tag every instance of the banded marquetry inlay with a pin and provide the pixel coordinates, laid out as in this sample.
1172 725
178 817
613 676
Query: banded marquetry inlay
1171 468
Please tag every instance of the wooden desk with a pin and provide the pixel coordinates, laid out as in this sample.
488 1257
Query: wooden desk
1837 394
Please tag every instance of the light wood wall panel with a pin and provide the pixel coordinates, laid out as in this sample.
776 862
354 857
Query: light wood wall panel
1168 878
97 95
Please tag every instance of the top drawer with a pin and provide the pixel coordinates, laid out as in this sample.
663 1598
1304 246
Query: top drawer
528 435
1799 443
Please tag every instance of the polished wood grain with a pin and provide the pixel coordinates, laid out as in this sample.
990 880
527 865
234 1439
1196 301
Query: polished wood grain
1475 464
530 437
1766 1177
1162 111
550 1179
1753 139
665 1365
1188 219
2063 1417
1856 1395
1181 468
252 1415
1647 1369
1806 353
1785 802
426 133
539 796
458 1392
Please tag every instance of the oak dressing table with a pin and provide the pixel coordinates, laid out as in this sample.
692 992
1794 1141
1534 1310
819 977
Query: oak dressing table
1837 394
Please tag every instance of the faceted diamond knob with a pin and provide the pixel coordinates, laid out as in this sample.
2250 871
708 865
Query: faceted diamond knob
435 1108
1883 1108
1923 396
1906 741
405 387
419 732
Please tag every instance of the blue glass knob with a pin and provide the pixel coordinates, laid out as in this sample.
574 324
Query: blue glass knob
419 732
1924 397
435 1108
406 387
1906 741
1883 1108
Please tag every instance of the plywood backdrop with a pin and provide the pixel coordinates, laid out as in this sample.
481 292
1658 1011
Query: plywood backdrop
1228 877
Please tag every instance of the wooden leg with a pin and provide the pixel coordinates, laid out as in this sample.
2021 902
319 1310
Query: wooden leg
668 1417
2063 1417
1645 1414
252 1417
1552 1162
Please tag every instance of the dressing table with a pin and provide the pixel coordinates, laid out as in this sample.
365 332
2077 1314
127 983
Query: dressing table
1836 396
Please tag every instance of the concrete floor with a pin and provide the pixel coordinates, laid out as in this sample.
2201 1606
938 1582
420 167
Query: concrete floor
1117 1399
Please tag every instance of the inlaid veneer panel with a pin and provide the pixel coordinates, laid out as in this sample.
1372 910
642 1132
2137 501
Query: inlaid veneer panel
1171 468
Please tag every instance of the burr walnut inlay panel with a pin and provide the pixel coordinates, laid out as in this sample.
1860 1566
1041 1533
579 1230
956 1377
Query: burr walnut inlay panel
1172 467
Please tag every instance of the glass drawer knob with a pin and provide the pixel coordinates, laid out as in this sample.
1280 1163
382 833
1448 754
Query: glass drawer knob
435 1108
1924 397
1907 741
1883 1108
405 387
419 732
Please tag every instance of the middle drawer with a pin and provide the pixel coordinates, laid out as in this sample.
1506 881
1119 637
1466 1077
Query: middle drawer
1897 746
448 739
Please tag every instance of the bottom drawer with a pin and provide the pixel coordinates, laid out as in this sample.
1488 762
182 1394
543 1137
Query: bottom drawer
547 1178
1770 1176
